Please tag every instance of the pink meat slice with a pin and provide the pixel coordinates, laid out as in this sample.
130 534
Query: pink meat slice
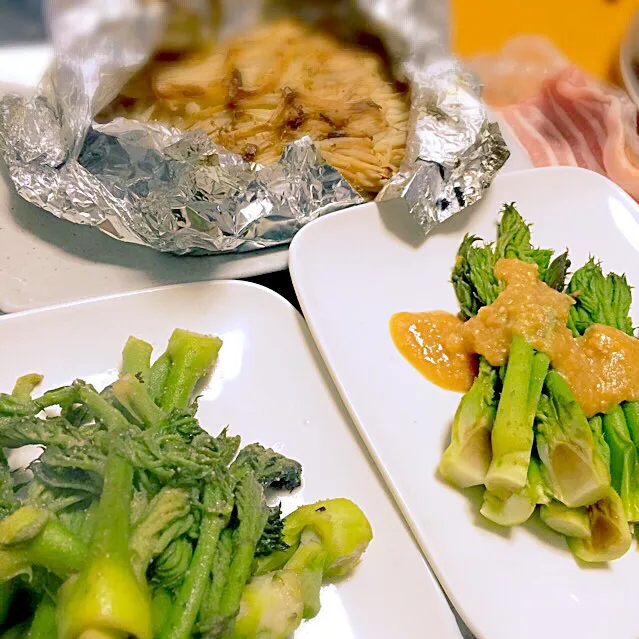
576 120
518 71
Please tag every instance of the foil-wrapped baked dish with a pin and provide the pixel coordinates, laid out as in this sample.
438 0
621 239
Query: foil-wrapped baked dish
209 126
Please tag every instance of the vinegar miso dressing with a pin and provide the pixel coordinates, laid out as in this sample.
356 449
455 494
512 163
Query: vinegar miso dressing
601 367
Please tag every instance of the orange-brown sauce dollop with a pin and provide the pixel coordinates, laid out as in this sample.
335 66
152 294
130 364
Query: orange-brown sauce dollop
432 343
601 367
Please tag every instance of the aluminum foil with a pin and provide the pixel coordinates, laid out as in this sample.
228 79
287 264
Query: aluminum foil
453 152
179 192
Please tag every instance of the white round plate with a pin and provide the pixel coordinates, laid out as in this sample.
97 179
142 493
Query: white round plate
45 261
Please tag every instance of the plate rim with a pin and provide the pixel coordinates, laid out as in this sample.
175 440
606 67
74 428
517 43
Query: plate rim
240 283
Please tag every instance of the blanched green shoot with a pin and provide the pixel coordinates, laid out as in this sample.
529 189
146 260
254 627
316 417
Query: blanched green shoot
570 522
473 279
218 504
252 515
210 614
192 357
325 540
576 472
271 607
172 564
467 458
512 434
167 518
25 386
271 469
600 299
106 595
624 465
136 359
609 533
309 562
44 620
158 376
507 508
517 508
134 396
47 543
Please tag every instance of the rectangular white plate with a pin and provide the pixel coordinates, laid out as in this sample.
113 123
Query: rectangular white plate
352 271
269 386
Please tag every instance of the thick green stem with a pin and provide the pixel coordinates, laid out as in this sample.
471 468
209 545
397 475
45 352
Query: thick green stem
309 562
43 625
111 528
573 454
136 359
512 434
185 609
210 608
25 385
134 396
21 406
105 597
192 357
252 518
159 374
596 428
110 416
540 365
160 609
466 460
55 548
624 464
631 411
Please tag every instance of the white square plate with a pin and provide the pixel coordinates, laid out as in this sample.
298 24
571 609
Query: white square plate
352 271
269 386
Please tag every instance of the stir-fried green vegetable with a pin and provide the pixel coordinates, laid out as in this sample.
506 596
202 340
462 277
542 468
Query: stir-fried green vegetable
136 522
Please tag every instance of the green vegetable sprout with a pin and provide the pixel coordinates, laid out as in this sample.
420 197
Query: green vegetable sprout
135 522
520 433
467 459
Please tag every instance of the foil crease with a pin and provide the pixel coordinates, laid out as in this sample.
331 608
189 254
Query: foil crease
179 192
453 152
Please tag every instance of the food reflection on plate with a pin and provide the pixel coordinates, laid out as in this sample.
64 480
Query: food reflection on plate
549 365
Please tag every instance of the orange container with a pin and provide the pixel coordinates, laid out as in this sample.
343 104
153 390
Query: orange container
587 31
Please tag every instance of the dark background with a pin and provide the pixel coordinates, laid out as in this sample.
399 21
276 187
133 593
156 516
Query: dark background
21 22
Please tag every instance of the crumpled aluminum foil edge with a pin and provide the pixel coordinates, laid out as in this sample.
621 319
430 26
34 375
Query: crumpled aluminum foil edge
179 192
